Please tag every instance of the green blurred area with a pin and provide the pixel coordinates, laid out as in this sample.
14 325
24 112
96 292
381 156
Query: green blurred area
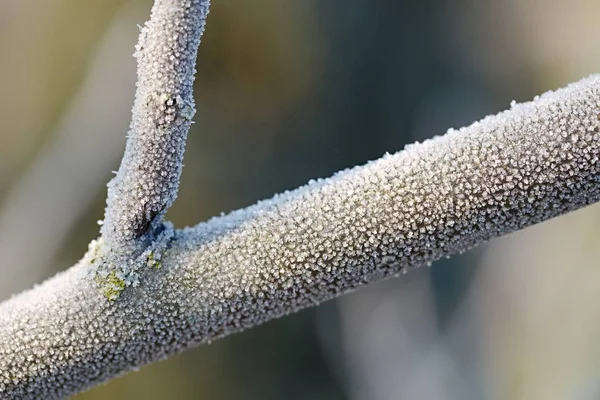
287 91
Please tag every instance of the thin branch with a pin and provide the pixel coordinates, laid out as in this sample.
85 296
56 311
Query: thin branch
148 178
533 162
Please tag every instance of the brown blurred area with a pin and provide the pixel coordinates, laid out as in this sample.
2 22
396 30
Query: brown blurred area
292 90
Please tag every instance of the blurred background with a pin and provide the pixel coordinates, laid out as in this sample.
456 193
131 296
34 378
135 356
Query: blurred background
289 90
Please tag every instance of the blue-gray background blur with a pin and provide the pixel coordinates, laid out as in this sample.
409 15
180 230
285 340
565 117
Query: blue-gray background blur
289 90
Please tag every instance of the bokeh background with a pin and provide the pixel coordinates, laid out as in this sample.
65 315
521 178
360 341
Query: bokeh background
289 90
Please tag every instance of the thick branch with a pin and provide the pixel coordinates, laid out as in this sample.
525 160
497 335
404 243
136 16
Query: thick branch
533 162
148 178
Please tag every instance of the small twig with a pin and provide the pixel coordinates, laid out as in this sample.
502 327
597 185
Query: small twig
148 178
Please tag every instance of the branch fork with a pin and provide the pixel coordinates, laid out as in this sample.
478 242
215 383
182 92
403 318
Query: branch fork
145 291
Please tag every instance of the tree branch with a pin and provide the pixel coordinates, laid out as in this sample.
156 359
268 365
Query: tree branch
148 178
144 291
533 162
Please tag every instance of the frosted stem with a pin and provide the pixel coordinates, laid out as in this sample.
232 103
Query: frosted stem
148 178
522 166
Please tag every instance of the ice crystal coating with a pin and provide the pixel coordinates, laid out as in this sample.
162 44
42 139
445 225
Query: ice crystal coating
113 274
536 161
147 181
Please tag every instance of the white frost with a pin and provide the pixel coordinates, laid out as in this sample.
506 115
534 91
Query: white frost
536 161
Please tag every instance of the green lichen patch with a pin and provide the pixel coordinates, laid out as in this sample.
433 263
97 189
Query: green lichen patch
154 261
114 272
111 285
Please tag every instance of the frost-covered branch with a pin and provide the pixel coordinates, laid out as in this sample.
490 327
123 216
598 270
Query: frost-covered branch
148 178
525 165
